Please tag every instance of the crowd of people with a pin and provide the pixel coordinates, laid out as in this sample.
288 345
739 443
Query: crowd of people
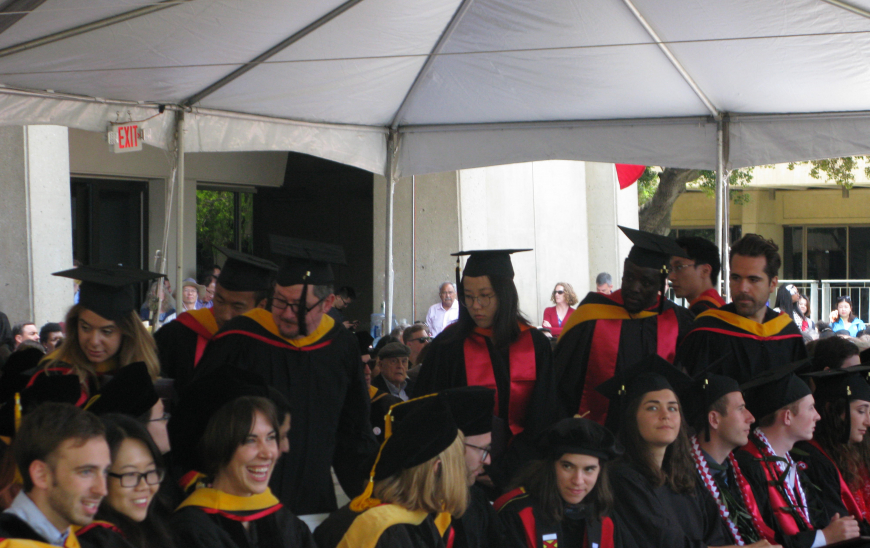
628 421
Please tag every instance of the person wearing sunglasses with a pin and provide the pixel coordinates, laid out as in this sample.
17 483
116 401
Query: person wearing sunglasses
843 319
416 337
564 298
128 515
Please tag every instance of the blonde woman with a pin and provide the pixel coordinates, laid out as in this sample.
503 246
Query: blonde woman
103 331
418 484
564 298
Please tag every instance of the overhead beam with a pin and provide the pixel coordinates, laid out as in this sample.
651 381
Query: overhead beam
88 27
197 97
424 70
15 11
849 7
714 110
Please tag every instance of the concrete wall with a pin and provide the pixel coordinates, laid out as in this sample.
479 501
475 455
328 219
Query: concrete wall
35 218
540 205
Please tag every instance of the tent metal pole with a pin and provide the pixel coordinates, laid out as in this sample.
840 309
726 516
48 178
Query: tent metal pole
389 274
179 227
721 205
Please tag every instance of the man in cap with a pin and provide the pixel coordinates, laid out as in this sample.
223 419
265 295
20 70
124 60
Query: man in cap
315 362
609 332
696 278
244 283
714 406
785 410
755 335
393 378
63 457
493 345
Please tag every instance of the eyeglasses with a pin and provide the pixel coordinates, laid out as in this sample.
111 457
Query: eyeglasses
421 340
486 450
132 479
281 304
163 417
482 300
559 292
682 266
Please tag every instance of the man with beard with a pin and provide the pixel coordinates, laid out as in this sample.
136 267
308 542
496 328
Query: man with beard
63 458
756 336
315 363
608 333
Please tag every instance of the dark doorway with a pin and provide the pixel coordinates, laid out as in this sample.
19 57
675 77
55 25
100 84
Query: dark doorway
110 221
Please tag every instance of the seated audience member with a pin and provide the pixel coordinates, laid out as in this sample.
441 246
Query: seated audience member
564 498
25 331
127 516
834 353
564 298
714 405
785 413
209 282
787 297
843 319
382 342
393 377
443 313
51 336
836 459
191 299
661 501
62 456
604 283
167 304
417 483
103 331
231 428
803 306
344 297
417 339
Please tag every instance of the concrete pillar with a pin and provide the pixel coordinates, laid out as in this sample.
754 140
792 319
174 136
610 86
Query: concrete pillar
36 221
606 207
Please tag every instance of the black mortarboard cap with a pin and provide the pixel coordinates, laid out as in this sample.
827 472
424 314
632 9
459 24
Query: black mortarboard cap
650 374
43 388
651 250
305 262
849 383
108 290
471 406
421 435
580 437
702 393
131 392
772 390
16 371
199 401
489 262
243 272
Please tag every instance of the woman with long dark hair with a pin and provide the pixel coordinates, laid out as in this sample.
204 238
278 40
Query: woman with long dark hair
844 318
494 345
836 457
787 302
661 499
127 515
564 495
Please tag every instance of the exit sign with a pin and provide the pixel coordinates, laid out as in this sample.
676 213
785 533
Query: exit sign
126 137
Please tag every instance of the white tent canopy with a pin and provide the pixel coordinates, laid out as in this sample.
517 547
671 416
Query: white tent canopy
402 87
462 83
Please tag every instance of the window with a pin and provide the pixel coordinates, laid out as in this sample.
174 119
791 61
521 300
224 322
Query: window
826 253
224 217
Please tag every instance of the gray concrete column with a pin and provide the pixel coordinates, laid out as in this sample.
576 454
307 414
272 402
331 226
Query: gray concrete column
606 207
36 222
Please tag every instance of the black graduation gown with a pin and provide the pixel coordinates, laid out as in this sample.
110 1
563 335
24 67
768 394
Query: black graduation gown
208 525
177 344
570 531
384 526
444 367
479 526
324 382
101 534
638 338
705 301
11 526
751 347
819 518
823 473
657 517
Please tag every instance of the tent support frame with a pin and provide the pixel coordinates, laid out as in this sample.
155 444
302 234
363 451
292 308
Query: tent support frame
722 203
179 174
389 274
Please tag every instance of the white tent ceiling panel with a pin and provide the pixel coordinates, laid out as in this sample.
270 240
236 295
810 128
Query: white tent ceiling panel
58 15
686 142
591 84
376 28
364 92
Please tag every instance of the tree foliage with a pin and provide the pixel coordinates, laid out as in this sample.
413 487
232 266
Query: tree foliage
215 222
